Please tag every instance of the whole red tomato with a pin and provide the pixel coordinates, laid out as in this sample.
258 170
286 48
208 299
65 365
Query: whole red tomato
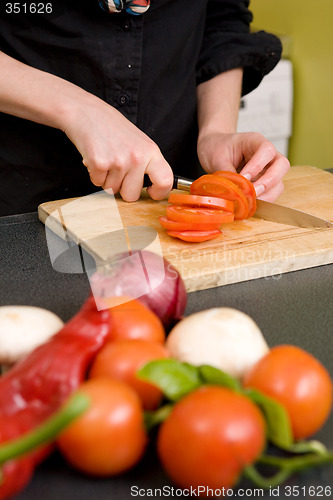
109 438
209 437
130 319
299 382
122 359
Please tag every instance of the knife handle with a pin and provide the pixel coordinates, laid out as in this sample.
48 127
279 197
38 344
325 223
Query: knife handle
178 182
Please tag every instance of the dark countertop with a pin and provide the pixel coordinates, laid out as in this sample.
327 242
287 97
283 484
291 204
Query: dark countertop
295 308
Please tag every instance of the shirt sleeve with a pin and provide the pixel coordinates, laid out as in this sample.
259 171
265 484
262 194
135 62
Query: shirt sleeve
228 44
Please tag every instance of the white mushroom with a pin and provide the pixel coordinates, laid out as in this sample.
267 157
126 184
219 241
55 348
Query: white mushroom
23 328
223 337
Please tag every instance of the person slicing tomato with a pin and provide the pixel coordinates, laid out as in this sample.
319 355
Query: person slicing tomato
89 100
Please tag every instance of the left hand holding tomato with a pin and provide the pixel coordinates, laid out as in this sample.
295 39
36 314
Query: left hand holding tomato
250 154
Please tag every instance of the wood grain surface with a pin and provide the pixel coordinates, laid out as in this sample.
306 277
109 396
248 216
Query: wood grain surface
104 225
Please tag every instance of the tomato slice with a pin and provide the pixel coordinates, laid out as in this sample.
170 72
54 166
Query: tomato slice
195 236
214 185
198 215
201 201
245 186
173 225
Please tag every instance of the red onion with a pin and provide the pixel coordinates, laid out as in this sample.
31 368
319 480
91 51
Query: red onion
148 277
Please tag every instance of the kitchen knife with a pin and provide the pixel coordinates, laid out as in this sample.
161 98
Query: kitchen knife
265 209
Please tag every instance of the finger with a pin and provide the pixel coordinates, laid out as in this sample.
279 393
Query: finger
228 167
161 176
272 175
219 158
218 161
132 185
263 156
273 193
97 174
113 180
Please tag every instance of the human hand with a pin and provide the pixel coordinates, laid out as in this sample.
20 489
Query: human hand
116 153
251 155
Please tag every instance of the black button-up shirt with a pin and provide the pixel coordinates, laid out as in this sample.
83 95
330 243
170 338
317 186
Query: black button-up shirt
146 66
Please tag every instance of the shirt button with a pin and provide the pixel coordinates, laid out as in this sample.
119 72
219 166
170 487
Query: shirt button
123 99
269 52
127 25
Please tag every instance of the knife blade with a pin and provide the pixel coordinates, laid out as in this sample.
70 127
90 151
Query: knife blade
265 209
290 216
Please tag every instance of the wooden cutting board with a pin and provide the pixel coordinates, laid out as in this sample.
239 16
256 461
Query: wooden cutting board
250 249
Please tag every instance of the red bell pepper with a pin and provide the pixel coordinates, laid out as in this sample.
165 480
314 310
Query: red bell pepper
37 386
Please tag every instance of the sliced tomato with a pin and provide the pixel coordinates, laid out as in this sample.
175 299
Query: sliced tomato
195 236
245 186
197 215
201 201
172 225
214 185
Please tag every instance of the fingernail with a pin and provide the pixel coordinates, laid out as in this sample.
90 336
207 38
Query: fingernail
247 176
259 189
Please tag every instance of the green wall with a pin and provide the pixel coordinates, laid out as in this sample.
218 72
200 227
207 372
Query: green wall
309 25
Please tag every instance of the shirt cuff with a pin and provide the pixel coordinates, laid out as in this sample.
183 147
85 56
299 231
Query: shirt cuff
258 53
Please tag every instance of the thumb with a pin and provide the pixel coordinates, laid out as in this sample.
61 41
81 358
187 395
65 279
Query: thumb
213 157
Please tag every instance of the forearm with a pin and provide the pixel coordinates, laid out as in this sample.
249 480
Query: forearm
35 95
221 148
218 103
116 153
